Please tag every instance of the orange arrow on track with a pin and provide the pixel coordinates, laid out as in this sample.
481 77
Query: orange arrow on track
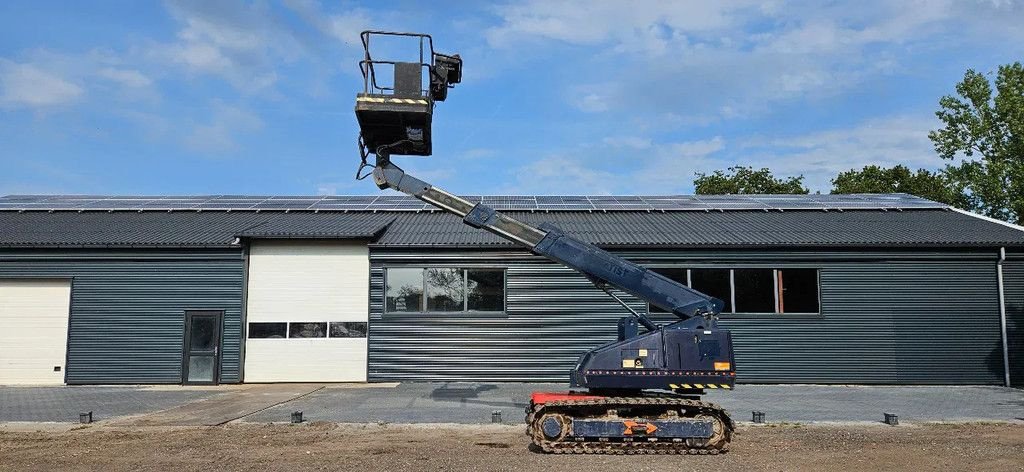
632 425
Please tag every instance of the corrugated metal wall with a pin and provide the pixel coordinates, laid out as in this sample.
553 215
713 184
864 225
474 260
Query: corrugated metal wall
888 317
1013 283
127 308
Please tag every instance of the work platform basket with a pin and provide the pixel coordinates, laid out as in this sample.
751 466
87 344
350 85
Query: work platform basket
397 116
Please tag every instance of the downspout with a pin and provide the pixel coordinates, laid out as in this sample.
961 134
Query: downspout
1002 315
243 335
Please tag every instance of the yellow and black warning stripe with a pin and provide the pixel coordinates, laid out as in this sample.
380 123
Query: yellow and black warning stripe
699 386
410 101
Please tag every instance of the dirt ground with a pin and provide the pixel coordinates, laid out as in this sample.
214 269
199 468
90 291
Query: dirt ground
487 447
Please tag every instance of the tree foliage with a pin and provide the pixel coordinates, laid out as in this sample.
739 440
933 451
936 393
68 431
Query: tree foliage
900 179
983 134
746 180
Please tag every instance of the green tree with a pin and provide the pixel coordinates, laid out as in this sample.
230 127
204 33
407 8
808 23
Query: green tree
983 134
746 180
922 183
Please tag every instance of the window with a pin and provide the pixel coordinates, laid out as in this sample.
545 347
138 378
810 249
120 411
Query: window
485 290
798 291
307 330
268 330
348 329
752 290
282 330
714 282
444 290
755 290
404 290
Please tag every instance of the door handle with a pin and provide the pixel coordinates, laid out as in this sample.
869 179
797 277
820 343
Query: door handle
216 349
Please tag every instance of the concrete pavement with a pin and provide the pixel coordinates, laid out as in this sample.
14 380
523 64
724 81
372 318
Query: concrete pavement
63 404
474 403
234 404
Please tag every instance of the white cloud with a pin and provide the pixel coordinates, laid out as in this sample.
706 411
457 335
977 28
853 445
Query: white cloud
634 142
642 25
665 168
28 86
821 155
559 175
671 167
43 78
248 44
240 43
726 60
344 27
153 126
592 103
126 77
219 135
697 148
201 58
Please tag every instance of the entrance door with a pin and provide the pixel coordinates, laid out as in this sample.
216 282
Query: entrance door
201 363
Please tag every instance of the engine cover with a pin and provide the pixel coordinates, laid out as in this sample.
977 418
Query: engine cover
686 355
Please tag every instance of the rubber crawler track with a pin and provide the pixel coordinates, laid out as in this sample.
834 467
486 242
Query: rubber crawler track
692 408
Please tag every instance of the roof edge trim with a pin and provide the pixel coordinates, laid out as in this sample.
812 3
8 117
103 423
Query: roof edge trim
988 219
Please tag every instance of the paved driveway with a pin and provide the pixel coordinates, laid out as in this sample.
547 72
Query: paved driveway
475 402
804 404
62 404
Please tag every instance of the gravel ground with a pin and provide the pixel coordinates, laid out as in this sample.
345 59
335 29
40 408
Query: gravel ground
330 446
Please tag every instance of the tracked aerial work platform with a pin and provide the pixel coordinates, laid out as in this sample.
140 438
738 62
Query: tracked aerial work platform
639 394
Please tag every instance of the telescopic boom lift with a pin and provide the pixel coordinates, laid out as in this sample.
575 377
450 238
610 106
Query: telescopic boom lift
638 394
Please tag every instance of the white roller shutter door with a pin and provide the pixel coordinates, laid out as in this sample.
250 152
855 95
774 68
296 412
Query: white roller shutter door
33 341
307 282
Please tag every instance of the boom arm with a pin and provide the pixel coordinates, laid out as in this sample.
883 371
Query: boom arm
600 266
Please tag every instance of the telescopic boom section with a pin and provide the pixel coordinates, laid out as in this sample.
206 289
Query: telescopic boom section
600 266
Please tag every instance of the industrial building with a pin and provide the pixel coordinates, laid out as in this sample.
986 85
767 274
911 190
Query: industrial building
854 289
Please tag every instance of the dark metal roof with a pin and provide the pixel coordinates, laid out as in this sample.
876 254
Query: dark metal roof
321 225
733 229
927 227
391 202
193 229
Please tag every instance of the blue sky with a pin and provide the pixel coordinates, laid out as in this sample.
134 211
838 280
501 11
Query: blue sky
591 97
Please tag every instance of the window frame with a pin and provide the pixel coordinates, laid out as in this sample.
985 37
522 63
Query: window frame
465 290
775 291
423 291
776 269
817 275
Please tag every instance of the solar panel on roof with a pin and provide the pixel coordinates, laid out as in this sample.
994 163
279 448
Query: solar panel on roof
500 202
